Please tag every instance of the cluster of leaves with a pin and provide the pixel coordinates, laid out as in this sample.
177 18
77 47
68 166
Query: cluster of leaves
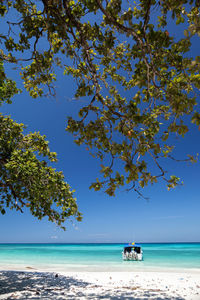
26 180
138 82
7 87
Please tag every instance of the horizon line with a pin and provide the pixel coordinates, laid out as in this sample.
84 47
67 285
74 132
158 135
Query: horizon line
77 243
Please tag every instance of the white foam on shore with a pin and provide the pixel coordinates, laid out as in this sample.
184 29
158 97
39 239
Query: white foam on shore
93 268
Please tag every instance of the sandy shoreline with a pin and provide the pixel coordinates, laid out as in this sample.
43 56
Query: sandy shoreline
32 284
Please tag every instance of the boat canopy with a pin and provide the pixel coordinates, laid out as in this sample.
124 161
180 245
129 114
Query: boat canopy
132 245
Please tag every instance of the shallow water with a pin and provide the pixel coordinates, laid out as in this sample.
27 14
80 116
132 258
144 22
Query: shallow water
99 257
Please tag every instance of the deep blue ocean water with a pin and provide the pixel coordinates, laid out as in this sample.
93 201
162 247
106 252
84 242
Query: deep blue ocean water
98 257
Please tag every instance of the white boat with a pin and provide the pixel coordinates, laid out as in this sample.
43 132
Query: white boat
132 252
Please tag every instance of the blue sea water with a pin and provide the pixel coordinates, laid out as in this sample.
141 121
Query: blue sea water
99 257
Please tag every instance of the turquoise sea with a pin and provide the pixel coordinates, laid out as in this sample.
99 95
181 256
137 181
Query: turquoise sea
99 257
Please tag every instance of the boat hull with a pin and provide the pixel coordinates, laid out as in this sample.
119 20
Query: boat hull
132 256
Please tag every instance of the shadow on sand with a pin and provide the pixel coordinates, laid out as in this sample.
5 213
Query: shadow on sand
35 285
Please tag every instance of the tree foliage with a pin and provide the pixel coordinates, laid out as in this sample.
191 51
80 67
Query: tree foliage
139 81
26 180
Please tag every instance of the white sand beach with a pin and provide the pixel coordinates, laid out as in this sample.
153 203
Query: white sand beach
32 284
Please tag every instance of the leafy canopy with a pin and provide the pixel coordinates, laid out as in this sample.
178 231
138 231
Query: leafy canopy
139 81
26 180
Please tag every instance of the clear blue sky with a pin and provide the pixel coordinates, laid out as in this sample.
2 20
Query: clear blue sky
167 217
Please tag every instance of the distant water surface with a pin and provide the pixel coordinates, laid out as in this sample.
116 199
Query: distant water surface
99 257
